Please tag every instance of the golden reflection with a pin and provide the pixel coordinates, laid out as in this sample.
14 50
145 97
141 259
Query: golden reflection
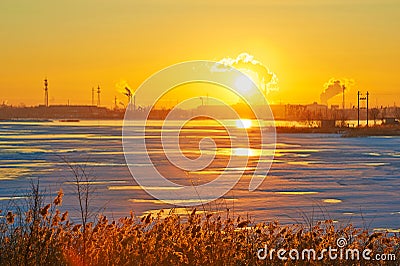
12 173
93 182
244 152
389 230
300 163
141 188
244 123
12 198
207 172
175 202
297 192
333 201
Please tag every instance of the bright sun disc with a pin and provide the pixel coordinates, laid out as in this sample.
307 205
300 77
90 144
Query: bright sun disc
243 83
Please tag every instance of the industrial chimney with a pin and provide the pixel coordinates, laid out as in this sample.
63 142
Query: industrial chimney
46 93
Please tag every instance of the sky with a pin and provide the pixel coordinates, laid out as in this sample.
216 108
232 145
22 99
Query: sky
78 45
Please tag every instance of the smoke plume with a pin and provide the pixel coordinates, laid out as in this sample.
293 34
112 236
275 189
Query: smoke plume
334 87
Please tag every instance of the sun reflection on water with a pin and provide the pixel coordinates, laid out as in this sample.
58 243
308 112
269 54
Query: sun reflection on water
244 123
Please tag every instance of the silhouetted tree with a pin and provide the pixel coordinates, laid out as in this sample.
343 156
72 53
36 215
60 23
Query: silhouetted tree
397 113
374 112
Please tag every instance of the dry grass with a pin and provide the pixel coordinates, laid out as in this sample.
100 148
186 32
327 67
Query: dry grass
44 236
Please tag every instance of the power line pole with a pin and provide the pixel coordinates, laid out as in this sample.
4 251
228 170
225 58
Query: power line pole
366 98
358 109
343 105
92 96
367 107
343 108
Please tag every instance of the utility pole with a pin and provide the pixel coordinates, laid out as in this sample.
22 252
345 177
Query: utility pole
343 108
46 93
343 105
358 109
366 98
92 96
367 107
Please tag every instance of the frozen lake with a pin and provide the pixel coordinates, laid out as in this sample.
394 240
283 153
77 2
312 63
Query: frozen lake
313 176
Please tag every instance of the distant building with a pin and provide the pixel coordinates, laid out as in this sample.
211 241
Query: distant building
315 107
318 111
59 112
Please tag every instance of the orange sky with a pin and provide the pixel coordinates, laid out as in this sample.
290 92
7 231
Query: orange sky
78 45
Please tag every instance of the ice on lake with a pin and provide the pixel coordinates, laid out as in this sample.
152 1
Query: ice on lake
318 176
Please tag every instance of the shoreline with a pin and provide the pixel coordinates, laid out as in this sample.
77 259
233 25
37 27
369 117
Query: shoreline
346 132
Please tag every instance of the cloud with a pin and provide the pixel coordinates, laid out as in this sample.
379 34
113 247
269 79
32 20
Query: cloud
258 72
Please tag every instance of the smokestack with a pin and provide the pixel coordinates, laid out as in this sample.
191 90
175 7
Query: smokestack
128 94
46 93
98 95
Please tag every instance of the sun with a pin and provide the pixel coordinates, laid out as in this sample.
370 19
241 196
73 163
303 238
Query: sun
243 83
